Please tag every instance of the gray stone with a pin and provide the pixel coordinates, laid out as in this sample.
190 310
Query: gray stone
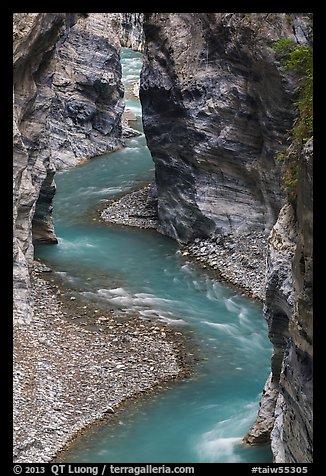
288 309
132 33
68 103
260 432
216 109
279 287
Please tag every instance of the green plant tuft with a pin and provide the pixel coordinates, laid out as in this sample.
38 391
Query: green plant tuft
297 59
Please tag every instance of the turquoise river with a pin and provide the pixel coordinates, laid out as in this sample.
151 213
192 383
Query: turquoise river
199 419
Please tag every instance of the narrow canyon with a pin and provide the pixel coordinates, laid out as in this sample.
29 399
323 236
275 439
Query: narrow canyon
218 106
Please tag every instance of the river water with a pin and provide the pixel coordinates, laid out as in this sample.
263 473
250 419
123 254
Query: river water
201 419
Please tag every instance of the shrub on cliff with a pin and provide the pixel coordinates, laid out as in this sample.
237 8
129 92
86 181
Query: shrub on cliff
297 59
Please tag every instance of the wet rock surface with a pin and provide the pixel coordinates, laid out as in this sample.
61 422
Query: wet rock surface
73 366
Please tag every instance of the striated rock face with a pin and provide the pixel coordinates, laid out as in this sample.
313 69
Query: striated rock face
292 436
42 225
34 36
278 309
79 94
216 107
260 432
68 102
279 287
288 309
132 33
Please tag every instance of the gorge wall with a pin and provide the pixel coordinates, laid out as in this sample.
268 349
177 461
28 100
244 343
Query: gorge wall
286 411
217 106
289 310
34 35
68 104
131 31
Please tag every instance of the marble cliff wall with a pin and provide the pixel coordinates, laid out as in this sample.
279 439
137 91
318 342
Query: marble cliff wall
68 103
289 309
132 33
34 35
287 404
216 108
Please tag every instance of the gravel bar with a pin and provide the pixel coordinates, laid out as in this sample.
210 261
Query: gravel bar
68 373
134 209
239 260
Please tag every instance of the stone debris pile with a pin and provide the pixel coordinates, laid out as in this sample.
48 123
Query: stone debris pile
134 209
69 373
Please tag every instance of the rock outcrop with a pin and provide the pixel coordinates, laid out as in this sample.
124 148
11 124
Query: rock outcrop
260 432
216 108
279 285
79 94
132 33
278 309
292 435
68 103
288 309
34 36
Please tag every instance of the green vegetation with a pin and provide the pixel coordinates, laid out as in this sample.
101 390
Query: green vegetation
297 59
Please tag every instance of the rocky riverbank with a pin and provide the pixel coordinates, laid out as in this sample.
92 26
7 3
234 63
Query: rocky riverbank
74 364
238 259
133 209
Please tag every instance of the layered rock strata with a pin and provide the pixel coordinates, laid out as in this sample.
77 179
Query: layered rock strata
68 103
260 432
278 309
292 435
216 108
136 209
34 36
288 309
78 99
132 33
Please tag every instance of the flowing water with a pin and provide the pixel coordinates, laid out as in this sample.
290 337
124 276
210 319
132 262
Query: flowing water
201 419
